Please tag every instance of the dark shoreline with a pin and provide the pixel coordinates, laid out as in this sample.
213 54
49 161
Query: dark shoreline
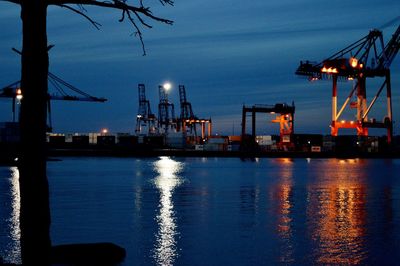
8 156
237 154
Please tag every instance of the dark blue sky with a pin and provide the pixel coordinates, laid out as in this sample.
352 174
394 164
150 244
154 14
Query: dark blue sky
226 53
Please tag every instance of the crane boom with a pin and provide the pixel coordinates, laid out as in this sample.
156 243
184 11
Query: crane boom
368 55
391 50
14 92
11 91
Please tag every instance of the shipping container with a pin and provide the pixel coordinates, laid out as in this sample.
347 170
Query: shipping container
218 140
215 147
108 140
80 140
199 147
315 148
127 140
234 138
93 137
56 139
153 141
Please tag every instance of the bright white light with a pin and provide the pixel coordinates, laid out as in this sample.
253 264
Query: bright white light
14 249
165 249
167 86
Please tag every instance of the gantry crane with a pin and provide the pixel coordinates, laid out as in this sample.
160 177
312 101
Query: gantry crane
285 118
166 112
365 58
14 92
188 119
145 118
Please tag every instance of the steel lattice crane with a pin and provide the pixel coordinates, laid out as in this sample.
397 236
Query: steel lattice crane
188 119
144 118
166 111
13 91
365 58
186 112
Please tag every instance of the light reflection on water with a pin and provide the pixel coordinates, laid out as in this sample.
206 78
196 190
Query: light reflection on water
281 195
337 213
14 221
13 253
165 249
229 212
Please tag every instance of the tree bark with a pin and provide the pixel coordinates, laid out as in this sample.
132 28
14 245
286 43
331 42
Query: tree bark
35 210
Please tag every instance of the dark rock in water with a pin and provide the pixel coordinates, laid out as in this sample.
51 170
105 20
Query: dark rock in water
91 254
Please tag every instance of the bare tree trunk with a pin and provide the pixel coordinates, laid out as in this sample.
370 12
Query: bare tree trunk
35 210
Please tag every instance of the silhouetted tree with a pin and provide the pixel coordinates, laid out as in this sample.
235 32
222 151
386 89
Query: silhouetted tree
35 212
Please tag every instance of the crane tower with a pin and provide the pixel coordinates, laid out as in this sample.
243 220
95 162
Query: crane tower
145 118
166 111
188 120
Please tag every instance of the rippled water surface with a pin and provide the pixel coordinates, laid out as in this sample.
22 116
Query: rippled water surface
220 211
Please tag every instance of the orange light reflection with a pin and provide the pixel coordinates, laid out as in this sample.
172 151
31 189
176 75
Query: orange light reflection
337 213
282 194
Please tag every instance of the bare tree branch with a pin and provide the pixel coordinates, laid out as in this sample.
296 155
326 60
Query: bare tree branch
168 2
116 4
94 23
142 21
137 33
127 12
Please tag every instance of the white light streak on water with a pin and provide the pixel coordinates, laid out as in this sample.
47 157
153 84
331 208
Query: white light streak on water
14 252
165 249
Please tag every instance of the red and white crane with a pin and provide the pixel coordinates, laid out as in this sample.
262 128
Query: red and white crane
366 58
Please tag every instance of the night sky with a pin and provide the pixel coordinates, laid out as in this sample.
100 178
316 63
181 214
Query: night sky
226 53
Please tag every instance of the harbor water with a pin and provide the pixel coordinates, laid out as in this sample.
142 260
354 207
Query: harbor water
220 211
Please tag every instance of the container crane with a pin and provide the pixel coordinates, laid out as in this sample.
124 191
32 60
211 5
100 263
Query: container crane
144 118
166 110
366 58
188 119
13 91
285 118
